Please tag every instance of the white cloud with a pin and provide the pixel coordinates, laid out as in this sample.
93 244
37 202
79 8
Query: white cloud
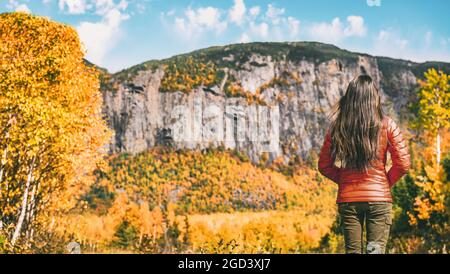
244 38
254 11
102 36
383 35
326 32
141 8
275 14
23 8
390 42
102 7
205 17
386 39
170 13
336 31
237 12
261 30
12 4
73 6
254 23
271 25
294 26
356 26
16 6
196 21
374 3
99 7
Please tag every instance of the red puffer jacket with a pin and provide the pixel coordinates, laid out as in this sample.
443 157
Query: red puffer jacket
375 184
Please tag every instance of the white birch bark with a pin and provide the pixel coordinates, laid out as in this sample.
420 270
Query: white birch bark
23 210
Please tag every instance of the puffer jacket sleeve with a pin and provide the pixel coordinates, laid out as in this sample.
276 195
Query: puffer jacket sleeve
399 151
326 163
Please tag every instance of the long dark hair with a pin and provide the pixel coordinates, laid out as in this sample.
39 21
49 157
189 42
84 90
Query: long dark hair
355 125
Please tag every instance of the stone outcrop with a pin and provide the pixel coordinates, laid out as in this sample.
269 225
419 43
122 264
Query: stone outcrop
292 120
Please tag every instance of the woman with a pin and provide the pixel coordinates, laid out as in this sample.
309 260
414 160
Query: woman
354 156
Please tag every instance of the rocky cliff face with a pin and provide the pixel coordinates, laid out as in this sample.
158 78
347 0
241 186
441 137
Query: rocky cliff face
296 85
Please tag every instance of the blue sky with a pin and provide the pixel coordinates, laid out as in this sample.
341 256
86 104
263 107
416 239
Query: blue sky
121 33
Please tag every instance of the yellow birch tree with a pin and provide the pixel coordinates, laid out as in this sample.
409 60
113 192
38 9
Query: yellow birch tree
52 133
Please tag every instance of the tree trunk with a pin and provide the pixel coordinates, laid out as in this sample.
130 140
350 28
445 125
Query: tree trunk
12 120
438 150
3 163
24 206
30 211
141 235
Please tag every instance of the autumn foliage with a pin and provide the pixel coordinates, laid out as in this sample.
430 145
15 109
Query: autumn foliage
51 128
423 196
186 74
55 188
190 201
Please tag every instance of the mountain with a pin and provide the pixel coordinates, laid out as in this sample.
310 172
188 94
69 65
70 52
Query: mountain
268 100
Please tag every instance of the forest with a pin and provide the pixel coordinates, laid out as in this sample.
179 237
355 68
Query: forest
59 184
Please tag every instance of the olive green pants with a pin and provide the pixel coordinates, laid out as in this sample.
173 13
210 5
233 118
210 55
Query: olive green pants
375 216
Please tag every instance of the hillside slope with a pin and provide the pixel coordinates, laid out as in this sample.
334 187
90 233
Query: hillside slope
213 201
